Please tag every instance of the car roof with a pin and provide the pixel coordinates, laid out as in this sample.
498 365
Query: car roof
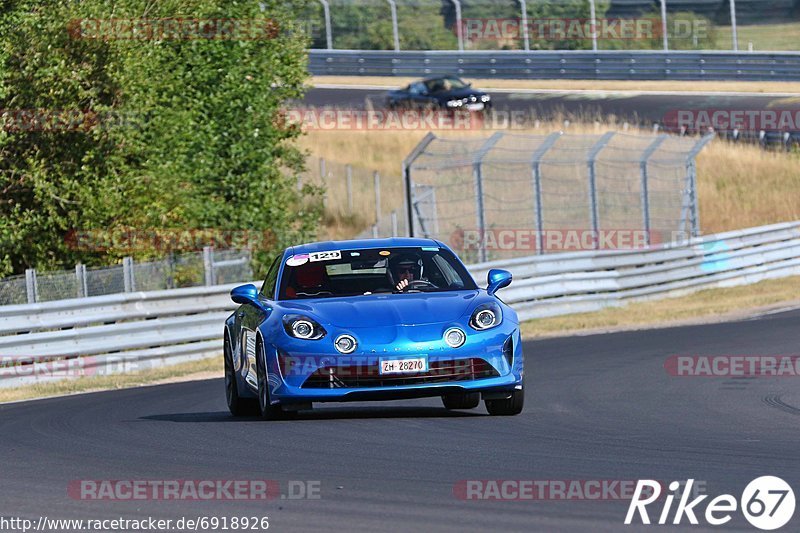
361 244
443 76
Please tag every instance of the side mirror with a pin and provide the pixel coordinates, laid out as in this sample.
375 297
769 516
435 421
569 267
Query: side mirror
497 279
246 294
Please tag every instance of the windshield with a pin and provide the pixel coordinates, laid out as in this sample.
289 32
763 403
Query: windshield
445 84
372 271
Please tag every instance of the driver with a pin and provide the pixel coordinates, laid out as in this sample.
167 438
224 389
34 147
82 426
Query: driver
406 268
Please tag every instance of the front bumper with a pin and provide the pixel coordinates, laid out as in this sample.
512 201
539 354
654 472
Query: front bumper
492 362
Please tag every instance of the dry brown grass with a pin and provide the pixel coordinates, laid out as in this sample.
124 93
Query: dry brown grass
739 185
569 85
202 369
708 305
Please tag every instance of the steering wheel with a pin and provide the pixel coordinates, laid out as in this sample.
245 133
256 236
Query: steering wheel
417 285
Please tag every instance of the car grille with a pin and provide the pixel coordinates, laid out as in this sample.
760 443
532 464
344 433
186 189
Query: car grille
354 376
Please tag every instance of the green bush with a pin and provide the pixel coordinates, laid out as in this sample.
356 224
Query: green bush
203 148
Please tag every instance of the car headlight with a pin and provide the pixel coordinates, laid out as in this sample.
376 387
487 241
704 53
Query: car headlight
454 103
303 327
486 316
345 344
485 98
454 337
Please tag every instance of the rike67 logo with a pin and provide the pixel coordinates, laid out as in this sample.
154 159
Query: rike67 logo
767 503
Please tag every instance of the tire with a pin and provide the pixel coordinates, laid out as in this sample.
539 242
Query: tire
267 410
236 405
509 407
466 400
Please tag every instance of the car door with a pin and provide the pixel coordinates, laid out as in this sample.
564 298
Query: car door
419 96
251 317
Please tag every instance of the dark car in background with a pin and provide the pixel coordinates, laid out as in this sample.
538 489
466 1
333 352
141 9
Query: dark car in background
441 92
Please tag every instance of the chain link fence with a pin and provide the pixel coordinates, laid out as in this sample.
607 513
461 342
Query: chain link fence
208 267
514 195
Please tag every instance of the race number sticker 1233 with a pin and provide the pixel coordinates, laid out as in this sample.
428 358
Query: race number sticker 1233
325 256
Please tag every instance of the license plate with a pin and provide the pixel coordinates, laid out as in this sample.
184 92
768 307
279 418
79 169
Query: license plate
411 365
475 107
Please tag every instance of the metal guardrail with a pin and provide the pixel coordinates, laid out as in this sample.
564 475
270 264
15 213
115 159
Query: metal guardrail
566 64
134 331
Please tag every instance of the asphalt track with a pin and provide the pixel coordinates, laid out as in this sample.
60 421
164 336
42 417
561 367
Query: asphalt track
597 407
641 108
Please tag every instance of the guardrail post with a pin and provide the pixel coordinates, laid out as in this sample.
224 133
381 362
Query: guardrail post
348 169
83 286
326 8
593 210
31 287
548 142
645 193
477 173
208 265
376 179
127 274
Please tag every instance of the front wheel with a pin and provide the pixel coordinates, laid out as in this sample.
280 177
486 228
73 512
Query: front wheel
267 409
466 400
509 406
236 405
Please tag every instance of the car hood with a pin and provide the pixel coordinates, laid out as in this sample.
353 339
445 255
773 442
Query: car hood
387 309
460 93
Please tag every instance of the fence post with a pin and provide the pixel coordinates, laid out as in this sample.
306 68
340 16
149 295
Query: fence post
593 153
395 33
374 231
208 265
477 173
409 186
645 193
30 285
691 178
326 8
127 274
593 23
377 183
80 275
525 37
548 142
459 27
349 172
664 24
394 223
734 33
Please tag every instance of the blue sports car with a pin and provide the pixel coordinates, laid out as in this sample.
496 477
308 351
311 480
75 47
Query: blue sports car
379 319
